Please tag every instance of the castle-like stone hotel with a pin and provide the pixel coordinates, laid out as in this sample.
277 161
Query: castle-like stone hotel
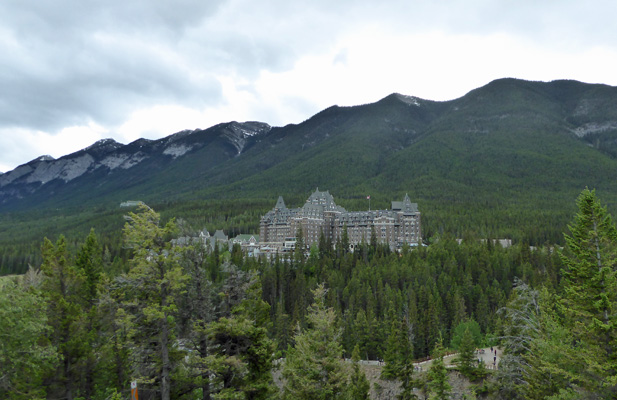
395 227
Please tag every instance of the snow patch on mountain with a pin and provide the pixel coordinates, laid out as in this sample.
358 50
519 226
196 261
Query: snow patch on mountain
238 133
411 100
104 143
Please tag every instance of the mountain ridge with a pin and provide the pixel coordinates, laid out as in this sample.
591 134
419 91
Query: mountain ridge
111 155
507 150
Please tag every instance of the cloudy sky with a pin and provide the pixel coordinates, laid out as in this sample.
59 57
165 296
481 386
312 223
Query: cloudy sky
73 72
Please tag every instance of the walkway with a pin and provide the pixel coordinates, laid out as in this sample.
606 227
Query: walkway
488 356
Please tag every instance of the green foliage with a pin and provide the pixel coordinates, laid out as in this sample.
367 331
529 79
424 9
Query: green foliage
590 290
466 358
63 288
562 344
24 356
392 357
241 352
459 332
438 384
359 387
313 368
149 293
500 161
216 319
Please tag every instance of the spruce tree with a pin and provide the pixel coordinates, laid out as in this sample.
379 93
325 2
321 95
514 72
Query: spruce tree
241 352
24 357
589 300
300 246
466 357
149 293
406 366
313 369
344 240
392 357
438 374
359 386
63 288
89 262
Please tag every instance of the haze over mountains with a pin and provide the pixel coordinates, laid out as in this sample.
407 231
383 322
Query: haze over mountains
510 145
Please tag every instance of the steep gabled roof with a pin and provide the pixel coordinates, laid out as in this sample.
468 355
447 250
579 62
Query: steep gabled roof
406 205
280 204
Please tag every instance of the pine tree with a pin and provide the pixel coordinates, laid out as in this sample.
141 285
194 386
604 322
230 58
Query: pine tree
63 288
392 356
241 352
151 289
438 374
282 329
89 262
359 386
344 241
406 372
313 368
590 289
466 357
300 247
373 241
563 346
24 357
198 311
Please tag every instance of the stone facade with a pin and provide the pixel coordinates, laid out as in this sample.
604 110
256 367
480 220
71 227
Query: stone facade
320 214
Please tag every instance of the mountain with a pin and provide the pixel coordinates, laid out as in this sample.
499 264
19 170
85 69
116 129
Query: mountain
506 159
107 165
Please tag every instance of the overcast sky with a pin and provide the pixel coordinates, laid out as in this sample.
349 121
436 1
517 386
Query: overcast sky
73 72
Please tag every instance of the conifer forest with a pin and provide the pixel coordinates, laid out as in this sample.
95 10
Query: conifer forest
187 322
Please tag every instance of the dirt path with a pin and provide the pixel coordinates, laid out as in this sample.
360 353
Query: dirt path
488 356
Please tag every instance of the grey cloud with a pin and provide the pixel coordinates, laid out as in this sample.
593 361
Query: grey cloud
71 62
99 83
67 62
56 19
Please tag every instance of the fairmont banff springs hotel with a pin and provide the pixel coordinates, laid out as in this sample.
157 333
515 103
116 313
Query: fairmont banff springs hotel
395 227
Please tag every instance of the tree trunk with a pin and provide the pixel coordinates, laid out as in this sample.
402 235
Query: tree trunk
205 376
165 367
68 384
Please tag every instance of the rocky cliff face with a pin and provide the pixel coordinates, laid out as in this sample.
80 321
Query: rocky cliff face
110 157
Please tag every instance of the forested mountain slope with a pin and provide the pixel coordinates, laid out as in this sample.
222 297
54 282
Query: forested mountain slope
504 160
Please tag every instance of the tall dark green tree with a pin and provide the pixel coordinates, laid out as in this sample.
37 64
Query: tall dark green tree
562 345
25 358
300 246
438 374
392 357
590 289
62 288
198 311
89 261
406 373
150 291
359 387
241 353
466 357
313 369
344 243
